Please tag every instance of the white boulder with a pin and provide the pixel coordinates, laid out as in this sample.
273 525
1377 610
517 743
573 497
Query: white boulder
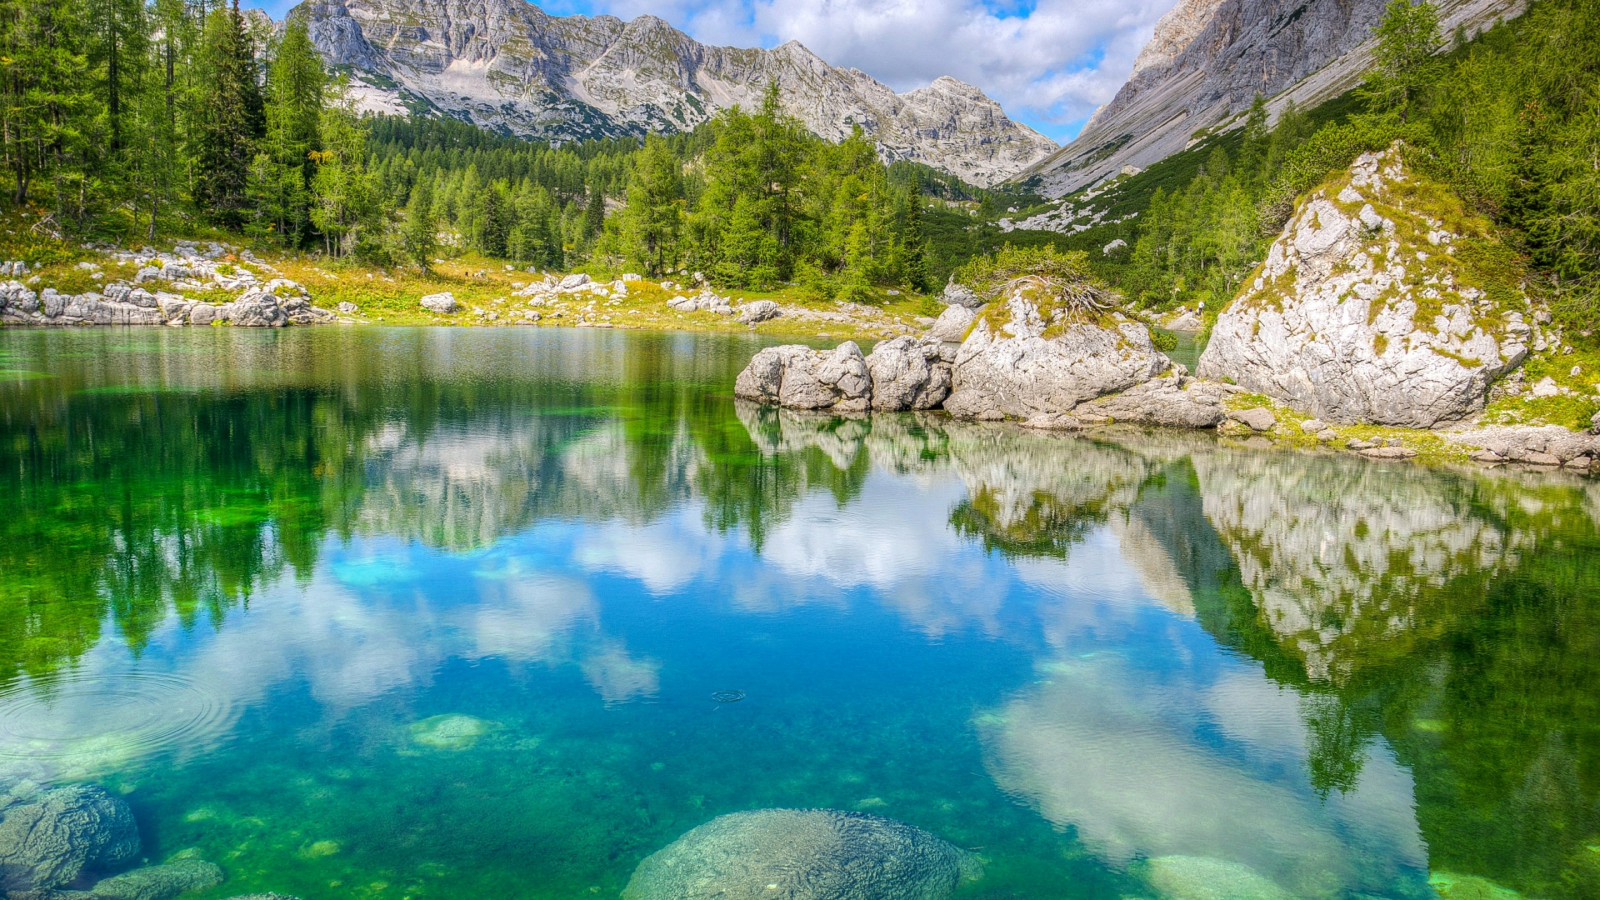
1353 318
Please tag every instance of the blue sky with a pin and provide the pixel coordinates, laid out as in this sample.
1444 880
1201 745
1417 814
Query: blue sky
1049 62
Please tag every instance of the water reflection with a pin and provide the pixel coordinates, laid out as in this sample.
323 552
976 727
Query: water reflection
1341 674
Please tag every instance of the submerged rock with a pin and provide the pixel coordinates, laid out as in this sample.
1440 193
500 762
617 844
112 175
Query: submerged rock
802 854
1023 362
50 838
162 882
907 374
799 377
1207 878
1364 312
451 731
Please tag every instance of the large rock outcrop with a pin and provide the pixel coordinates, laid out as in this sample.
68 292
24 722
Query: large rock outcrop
1019 361
1374 306
802 854
508 66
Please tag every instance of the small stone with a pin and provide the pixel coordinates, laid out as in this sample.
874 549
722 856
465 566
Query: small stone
1393 442
1537 458
443 302
1487 456
1388 453
1258 419
1546 387
1053 422
1313 426
1578 462
1327 436
1359 444
348 308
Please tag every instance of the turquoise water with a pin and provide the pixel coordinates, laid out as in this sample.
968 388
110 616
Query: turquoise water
417 613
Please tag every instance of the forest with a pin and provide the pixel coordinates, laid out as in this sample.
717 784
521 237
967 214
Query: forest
131 120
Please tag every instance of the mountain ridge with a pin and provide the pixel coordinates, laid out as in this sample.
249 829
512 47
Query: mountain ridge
509 66
1209 58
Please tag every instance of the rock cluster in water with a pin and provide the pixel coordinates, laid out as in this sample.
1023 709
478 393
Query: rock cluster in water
69 843
802 854
241 298
1009 359
1373 306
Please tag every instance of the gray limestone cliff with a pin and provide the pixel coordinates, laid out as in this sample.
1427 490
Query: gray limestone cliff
508 66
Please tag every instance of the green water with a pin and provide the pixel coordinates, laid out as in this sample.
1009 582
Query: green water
439 614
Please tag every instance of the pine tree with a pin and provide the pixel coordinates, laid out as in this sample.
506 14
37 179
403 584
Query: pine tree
594 214
118 56
230 118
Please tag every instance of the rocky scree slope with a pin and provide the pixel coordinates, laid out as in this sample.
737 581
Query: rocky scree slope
1382 301
508 66
1209 58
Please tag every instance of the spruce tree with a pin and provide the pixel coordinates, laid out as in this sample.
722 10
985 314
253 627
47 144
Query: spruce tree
230 118
293 111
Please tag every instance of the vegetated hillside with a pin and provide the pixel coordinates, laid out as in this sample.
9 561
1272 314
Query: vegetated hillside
1507 119
1208 58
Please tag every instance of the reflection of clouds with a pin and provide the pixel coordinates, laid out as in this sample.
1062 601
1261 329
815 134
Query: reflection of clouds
619 677
1131 760
664 556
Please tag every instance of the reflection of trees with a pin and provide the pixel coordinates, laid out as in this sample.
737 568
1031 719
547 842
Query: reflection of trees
124 500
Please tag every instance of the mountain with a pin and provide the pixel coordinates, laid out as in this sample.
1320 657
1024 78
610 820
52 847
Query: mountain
1209 58
508 66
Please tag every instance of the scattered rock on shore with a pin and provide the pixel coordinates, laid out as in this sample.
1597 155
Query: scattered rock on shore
443 303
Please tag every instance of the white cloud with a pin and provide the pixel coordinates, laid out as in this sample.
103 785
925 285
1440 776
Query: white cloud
1050 67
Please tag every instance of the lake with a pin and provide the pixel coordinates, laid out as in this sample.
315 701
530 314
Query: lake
469 613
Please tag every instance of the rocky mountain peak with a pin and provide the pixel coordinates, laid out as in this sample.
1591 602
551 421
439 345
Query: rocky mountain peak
508 66
1207 61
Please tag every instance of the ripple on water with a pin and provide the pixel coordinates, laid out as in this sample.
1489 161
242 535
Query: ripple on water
81 725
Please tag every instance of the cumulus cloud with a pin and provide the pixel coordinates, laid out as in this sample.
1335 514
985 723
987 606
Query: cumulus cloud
1050 63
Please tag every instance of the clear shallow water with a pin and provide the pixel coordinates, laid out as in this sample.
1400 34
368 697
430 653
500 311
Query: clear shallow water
391 613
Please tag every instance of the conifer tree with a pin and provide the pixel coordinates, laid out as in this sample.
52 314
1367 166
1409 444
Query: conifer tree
651 225
285 170
418 235
45 93
1407 38
230 118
